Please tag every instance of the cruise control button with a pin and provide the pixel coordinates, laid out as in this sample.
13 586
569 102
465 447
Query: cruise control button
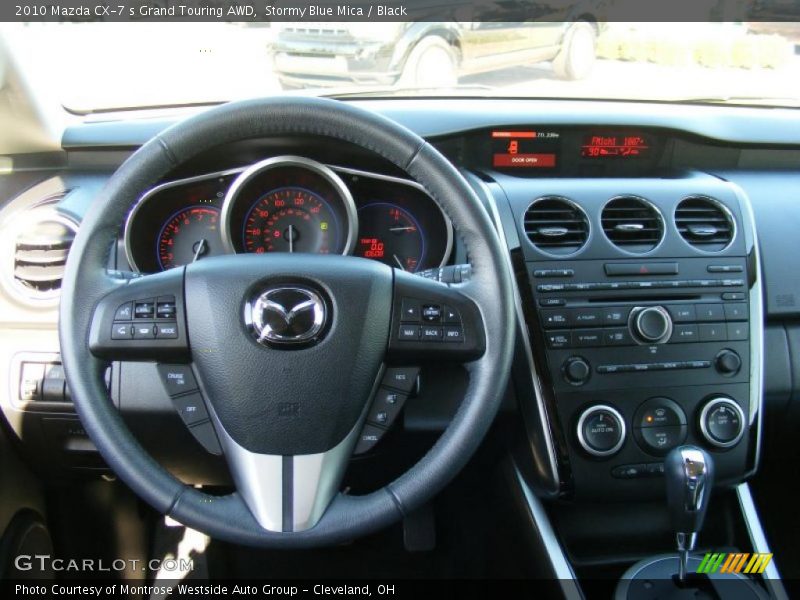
408 332
453 333
204 433
167 330
430 333
121 331
401 378
370 436
124 312
386 407
177 379
143 331
191 408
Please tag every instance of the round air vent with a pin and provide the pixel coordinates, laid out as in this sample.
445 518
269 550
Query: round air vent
556 225
37 244
704 223
632 223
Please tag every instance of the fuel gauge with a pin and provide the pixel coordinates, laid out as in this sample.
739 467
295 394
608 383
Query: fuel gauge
392 235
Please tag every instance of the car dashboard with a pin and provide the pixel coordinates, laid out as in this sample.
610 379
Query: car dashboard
649 242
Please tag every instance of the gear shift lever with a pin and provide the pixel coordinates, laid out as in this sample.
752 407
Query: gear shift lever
689 473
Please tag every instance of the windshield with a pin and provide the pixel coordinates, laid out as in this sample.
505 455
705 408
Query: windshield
109 66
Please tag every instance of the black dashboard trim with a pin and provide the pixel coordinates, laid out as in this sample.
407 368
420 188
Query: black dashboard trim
729 124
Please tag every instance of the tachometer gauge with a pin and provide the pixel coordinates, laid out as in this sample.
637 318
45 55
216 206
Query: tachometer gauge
392 235
177 222
291 219
188 235
289 204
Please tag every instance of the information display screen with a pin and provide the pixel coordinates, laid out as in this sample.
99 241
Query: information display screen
525 149
613 145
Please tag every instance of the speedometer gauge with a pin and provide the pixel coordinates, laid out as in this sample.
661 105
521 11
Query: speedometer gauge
289 204
291 219
188 235
392 235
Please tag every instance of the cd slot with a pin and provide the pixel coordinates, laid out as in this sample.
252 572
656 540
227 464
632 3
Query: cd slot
670 298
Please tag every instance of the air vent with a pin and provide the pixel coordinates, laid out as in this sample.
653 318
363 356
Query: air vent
704 223
556 225
40 254
632 224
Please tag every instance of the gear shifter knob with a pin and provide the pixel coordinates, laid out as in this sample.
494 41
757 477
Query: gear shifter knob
689 474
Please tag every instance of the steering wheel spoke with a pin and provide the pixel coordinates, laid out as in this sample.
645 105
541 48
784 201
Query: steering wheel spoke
287 493
431 320
142 320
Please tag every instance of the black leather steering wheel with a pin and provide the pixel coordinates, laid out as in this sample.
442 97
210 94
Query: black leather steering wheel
287 464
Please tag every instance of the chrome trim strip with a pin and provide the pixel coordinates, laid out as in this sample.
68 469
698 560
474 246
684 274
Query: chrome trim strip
151 192
526 343
259 479
277 162
576 206
756 405
771 576
725 210
410 183
558 560
655 208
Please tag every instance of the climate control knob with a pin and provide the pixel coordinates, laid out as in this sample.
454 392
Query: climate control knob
650 324
722 422
601 430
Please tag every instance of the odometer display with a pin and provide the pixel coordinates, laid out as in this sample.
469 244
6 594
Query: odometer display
291 219
188 235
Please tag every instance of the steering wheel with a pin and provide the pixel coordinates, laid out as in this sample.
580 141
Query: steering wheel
287 412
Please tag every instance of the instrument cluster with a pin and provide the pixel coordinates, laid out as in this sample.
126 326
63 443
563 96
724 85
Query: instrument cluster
288 204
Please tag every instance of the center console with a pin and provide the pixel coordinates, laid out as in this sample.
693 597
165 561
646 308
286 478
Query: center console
641 301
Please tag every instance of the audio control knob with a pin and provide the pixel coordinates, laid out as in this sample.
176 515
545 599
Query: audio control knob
727 362
650 324
722 422
601 430
576 370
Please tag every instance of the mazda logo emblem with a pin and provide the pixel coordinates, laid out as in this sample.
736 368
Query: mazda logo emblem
286 315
